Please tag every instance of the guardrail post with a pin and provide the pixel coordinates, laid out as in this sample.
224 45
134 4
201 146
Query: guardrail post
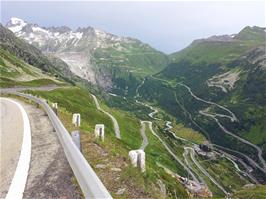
76 138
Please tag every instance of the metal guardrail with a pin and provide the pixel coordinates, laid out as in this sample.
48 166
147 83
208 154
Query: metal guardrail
91 185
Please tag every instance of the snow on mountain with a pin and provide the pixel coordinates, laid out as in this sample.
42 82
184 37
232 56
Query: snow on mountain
90 53
16 24
59 38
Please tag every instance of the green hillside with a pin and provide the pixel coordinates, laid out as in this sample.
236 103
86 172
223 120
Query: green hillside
231 73
20 58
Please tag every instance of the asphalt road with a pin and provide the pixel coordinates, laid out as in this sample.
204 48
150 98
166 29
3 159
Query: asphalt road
47 173
145 141
11 132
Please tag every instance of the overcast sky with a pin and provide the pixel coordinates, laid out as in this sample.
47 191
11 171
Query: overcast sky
167 26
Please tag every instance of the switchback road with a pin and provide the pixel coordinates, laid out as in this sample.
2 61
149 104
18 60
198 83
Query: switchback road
115 123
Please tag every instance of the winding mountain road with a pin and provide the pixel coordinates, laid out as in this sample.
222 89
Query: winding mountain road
239 138
187 150
115 123
192 155
232 117
154 111
145 141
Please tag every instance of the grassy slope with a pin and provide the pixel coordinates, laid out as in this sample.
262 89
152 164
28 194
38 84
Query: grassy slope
16 72
73 100
221 169
200 61
7 83
258 192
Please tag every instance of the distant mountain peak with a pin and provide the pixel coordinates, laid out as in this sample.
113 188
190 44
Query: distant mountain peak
15 20
252 33
15 24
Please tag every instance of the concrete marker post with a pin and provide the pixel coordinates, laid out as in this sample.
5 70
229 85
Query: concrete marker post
76 119
99 131
55 108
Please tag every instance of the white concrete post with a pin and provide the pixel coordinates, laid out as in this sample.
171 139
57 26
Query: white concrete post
76 138
99 131
137 158
76 119
133 156
55 108
141 160
54 105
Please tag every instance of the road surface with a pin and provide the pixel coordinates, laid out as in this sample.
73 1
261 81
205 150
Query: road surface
115 123
49 174
12 134
154 111
145 141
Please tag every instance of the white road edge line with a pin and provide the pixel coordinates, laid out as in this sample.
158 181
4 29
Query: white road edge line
19 180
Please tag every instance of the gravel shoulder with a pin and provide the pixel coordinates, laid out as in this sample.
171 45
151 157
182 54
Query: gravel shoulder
50 175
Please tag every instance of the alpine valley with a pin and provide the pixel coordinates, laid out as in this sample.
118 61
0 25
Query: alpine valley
199 113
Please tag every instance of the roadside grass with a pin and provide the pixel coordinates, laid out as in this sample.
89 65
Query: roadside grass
76 100
156 153
129 126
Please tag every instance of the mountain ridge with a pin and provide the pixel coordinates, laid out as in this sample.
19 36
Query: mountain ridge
99 57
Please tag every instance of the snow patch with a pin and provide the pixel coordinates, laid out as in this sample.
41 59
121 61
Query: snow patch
16 24
38 29
17 21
